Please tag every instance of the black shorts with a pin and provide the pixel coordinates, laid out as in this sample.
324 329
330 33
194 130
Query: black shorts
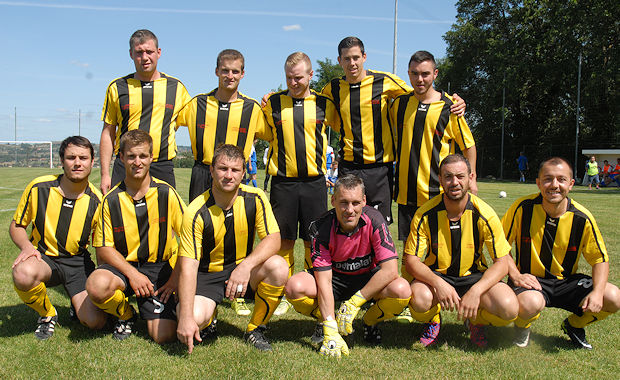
297 202
150 307
405 216
461 284
201 180
213 285
565 294
163 170
71 272
379 182
344 286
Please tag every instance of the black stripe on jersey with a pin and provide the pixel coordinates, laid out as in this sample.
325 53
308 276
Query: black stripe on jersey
524 246
574 241
221 128
122 87
440 129
163 193
432 224
546 248
201 127
171 95
356 123
230 242
400 116
475 217
62 228
321 107
142 218
455 255
93 203
264 216
118 226
377 90
43 194
208 234
300 138
250 214
485 220
147 106
577 212
414 154
276 107
244 122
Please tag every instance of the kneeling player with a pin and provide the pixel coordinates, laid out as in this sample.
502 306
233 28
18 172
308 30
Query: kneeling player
550 230
135 241
444 255
353 260
62 211
217 257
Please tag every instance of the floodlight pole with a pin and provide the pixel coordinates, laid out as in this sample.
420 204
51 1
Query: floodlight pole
395 35
501 159
577 121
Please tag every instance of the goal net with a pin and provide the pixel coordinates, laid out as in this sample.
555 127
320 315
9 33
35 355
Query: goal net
26 154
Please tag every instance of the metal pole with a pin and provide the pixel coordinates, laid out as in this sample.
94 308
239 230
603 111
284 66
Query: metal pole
577 121
501 160
395 34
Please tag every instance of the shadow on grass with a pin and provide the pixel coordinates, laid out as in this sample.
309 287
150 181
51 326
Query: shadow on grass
552 344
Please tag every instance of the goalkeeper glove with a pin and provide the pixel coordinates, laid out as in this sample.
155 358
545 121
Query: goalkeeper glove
333 344
347 313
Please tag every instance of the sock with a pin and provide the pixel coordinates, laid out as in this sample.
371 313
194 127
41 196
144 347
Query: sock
213 318
384 309
307 258
525 323
486 318
431 315
289 256
307 306
37 299
117 305
265 302
254 183
587 318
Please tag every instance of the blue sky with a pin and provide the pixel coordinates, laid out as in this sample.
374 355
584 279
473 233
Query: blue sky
59 56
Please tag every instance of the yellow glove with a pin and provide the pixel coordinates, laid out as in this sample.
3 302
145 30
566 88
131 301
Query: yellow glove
347 313
333 344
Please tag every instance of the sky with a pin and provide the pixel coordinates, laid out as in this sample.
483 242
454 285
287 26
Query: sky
59 56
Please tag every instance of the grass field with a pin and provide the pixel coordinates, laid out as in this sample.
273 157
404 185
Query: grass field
75 352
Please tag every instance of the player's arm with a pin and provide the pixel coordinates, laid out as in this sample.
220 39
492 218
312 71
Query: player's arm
106 147
471 154
458 108
446 294
187 329
325 293
19 235
471 300
593 302
140 283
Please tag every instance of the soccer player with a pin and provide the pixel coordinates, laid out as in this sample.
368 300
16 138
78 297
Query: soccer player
62 211
354 260
135 242
550 230
223 116
252 169
523 166
444 255
148 100
367 134
592 170
425 132
218 258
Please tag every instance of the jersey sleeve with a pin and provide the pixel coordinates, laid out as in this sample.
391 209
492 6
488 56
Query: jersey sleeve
332 116
266 223
461 132
103 236
266 121
177 209
185 116
511 222
26 209
396 87
320 255
417 241
592 245
494 237
382 242
110 112
191 236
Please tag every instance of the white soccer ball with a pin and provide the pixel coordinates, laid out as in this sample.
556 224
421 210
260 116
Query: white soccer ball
502 194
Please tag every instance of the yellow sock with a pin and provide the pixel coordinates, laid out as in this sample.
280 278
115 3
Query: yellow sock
526 323
587 318
213 317
384 309
307 306
265 302
307 258
486 318
117 305
431 315
289 256
38 300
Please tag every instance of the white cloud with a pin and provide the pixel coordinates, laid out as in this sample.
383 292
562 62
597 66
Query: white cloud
80 64
288 28
43 120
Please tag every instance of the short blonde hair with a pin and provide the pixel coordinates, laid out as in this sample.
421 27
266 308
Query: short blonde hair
296 58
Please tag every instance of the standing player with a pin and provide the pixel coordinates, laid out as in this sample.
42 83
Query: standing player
252 168
550 230
148 100
523 165
354 260
135 241
62 211
444 255
218 258
367 134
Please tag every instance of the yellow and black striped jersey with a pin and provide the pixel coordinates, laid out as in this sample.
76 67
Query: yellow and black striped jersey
60 226
211 123
149 106
221 238
296 132
455 248
141 230
366 135
426 134
549 247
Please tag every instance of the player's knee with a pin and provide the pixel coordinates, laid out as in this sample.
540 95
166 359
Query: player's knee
421 299
162 333
612 298
277 268
530 304
508 308
399 288
295 287
99 287
25 276
93 320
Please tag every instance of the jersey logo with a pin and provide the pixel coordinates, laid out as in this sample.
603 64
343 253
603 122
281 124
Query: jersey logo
170 106
526 239
147 85
67 203
357 85
125 107
228 214
423 107
140 203
298 103
572 248
224 107
201 126
119 229
376 101
552 222
243 130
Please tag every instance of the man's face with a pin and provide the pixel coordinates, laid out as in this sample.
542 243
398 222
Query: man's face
77 163
352 61
592 159
227 173
145 56
348 204
298 79
455 180
137 161
422 75
555 182
229 73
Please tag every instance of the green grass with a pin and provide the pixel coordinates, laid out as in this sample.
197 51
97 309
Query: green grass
75 352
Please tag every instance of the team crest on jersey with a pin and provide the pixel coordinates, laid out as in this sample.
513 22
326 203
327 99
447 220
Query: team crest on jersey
67 203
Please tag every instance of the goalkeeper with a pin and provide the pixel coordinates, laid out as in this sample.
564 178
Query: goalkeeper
354 260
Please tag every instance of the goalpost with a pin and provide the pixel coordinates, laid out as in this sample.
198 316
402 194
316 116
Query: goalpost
36 153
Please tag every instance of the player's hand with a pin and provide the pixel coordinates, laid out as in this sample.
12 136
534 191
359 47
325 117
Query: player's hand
345 316
458 108
239 276
593 302
106 183
333 344
527 281
141 285
168 289
187 331
468 308
263 101
447 296
25 254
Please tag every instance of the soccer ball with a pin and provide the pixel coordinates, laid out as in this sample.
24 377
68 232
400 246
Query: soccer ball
502 194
